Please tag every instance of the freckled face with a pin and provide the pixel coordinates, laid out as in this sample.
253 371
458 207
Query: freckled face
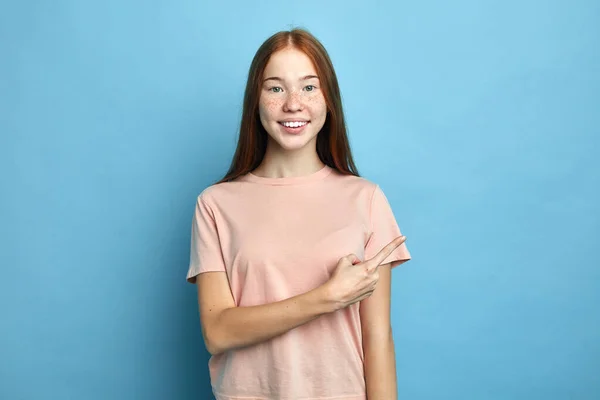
294 95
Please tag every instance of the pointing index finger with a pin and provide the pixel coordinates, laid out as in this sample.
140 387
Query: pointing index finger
387 250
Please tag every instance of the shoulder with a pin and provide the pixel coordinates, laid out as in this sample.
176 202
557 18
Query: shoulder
359 186
219 193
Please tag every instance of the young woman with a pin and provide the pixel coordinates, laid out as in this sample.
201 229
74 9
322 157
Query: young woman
292 250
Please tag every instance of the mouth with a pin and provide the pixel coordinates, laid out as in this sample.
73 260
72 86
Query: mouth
293 124
294 127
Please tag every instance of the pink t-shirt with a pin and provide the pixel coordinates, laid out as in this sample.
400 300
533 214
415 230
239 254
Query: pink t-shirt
277 238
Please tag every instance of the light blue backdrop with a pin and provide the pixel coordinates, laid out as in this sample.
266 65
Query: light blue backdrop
479 119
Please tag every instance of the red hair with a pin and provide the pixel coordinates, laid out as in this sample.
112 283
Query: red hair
332 141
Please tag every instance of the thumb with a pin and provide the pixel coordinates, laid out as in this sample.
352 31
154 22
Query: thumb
353 259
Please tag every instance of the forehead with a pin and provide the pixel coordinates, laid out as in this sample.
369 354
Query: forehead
289 63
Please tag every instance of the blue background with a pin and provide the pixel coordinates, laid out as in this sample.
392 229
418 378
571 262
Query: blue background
479 119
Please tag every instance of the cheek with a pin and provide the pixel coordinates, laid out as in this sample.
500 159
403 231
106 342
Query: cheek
270 106
317 104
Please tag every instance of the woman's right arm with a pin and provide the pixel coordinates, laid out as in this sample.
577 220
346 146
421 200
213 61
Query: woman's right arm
226 326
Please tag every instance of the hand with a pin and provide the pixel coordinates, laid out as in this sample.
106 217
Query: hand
353 280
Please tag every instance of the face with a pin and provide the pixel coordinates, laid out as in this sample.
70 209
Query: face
291 94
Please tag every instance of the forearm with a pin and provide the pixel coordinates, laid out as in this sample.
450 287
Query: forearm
243 326
380 368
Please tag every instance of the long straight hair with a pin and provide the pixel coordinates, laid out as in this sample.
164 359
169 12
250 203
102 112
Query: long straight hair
333 147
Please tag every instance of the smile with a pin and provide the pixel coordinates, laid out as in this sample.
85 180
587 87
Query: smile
294 124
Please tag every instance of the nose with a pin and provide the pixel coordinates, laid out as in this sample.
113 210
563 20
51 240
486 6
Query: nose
293 102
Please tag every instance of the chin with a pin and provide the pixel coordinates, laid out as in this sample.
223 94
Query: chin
292 145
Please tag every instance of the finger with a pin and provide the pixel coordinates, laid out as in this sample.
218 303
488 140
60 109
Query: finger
387 250
353 259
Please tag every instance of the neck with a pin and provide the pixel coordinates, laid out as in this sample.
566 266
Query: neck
286 164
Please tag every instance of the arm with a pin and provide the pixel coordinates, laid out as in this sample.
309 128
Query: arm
378 343
226 326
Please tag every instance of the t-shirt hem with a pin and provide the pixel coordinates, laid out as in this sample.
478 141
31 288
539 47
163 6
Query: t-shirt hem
396 262
220 396
193 274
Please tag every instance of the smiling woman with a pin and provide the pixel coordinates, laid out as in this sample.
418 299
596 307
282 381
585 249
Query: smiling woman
292 250
286 94
291 79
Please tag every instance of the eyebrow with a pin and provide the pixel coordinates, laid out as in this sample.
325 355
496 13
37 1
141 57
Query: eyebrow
276 78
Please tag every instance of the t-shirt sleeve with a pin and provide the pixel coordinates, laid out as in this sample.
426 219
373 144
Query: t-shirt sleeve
205 249
384 229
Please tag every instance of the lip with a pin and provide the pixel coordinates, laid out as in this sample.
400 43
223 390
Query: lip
294 120
295 131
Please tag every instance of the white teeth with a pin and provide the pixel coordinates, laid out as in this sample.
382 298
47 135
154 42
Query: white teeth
294 124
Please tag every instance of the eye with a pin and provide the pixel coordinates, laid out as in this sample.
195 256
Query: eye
274 87
310 86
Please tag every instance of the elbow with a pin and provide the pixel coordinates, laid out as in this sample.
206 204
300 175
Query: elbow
214 341
217 337
211 342
213 349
